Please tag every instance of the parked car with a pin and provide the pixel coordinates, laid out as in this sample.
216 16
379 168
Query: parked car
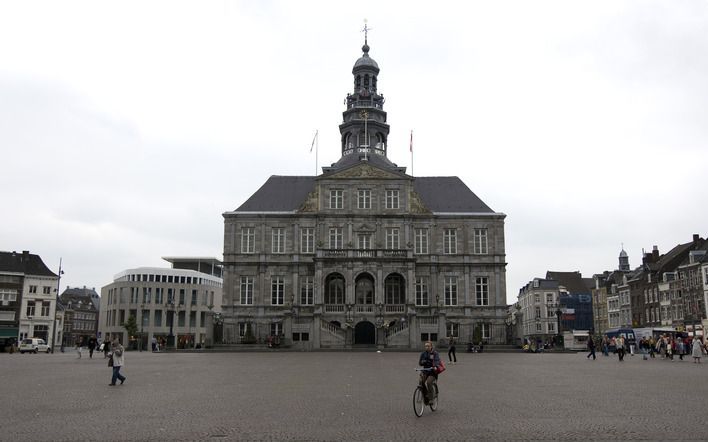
34 345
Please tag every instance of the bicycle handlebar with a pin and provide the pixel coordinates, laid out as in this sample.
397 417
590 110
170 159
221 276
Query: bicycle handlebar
424 369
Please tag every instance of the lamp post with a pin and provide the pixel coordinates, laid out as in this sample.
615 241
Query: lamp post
560 332
171 311
56 301
142 322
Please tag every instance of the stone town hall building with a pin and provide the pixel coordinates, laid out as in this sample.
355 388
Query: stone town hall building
364 254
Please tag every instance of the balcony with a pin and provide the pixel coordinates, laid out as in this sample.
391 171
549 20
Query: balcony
364 254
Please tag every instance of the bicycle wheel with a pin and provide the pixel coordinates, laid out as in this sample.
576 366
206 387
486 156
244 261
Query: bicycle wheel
434 403
418 401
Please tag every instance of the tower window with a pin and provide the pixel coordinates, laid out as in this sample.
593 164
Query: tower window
366 80
358 81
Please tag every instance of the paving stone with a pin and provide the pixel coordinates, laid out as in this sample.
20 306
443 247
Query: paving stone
349 396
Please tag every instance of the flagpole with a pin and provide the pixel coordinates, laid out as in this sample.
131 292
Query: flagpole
317 149
411 149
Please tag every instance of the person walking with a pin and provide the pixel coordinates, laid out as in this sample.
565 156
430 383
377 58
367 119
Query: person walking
451 352
91 346
79 344
680 348
619 345
696 350
605 346
118 361
106 347
591 347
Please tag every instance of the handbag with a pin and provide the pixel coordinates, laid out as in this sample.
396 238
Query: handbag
110 361
440 368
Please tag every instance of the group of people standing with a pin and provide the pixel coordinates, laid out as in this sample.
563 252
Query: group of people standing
669 346
666 346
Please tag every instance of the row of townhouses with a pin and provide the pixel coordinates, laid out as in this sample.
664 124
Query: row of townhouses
669 290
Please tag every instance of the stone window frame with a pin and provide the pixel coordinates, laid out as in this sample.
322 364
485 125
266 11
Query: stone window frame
481 290
393 199
450 241
421 244
336 199
363 196
278 238
451 290
480 242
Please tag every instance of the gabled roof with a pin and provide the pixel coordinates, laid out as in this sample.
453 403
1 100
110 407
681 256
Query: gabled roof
572 281
25 262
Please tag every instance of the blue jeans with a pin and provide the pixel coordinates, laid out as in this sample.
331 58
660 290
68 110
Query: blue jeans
117 375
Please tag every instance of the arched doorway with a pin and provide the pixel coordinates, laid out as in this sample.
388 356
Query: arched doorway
365 333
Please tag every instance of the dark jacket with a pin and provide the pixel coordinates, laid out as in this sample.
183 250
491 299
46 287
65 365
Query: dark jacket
426 361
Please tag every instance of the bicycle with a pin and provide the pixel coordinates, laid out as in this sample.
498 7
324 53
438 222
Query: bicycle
419 397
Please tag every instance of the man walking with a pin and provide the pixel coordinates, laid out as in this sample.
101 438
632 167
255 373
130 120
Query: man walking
591 347
118 362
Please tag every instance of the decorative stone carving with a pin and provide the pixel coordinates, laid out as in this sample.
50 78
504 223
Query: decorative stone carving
364 171
417 205
311 203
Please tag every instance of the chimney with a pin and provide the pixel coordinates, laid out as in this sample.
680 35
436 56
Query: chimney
655 253
695 238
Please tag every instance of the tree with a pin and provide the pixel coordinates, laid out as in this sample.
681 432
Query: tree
131 326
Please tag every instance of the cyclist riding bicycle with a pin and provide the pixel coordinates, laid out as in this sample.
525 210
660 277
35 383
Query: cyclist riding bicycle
429 359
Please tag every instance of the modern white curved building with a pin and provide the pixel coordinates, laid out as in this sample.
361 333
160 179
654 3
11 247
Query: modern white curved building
169 304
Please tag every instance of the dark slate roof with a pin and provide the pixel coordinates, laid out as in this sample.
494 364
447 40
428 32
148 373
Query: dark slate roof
439 194
448 194
542 284
24 262
280 194
572 281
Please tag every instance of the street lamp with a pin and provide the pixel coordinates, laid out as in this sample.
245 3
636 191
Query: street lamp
171 311
142 322
56 301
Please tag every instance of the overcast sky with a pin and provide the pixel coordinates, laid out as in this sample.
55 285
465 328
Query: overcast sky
128 128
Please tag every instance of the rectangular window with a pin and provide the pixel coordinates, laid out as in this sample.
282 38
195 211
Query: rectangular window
180 319
30 308
451 290
392 199
421 291
551 327
181 297
248 240
307 290
45 308
147 294
33 289
450 241
480 242
336 199
278 240
336 238
453 330
482 290
194 297
145 317
392 238
421 242
364 200
549 298
158 318
158 295
432 337
307 240
537 311
46 290
242 327
277 290
246 296
170 296
364 241
298 337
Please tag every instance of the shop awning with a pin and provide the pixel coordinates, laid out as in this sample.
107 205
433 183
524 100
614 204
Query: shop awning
8 332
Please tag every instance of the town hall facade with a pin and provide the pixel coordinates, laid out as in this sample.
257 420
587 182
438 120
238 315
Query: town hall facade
363 254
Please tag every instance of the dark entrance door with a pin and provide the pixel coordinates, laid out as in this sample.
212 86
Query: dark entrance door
365 333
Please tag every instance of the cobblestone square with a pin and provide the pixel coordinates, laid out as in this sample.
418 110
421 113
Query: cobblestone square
349 396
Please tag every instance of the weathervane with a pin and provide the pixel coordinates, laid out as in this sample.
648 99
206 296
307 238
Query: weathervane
366 31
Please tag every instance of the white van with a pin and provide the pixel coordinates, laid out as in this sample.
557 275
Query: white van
34 345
